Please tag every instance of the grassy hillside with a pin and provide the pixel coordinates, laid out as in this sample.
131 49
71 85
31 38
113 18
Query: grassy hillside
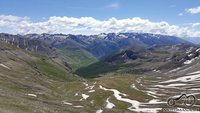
29 82
137 60
77 57
93 70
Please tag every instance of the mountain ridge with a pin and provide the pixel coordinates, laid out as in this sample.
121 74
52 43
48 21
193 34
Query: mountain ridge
92 47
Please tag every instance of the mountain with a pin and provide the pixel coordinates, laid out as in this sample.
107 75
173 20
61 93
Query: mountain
106 44
41 73
28 81
159 60
99 46
195 40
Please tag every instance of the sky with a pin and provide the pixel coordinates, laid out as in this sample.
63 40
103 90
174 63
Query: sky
169 17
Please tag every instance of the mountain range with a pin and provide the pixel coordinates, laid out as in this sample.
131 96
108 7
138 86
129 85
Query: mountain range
98 46
73 73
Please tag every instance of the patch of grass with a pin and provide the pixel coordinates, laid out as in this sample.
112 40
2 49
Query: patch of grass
77 57
52 71
95 69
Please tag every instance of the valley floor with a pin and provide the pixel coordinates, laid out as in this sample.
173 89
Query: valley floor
108 94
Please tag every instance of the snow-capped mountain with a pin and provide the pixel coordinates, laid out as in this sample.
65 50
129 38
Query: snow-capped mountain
100 45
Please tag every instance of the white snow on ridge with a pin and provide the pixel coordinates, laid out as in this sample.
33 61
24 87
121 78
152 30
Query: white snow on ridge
86 84
184 79
196 72
99 111
189 50
90 87
175 85
4 66
76 94
198 50
67 103
135 104
190 61
84 96
158 71
176 69
32 95
152 94
134 87
109 105
78 106
91 91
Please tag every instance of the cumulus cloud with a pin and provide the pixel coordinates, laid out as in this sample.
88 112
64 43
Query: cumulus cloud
89 25
194 10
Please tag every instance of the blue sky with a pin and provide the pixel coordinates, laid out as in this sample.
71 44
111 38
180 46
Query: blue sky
155 10
174 12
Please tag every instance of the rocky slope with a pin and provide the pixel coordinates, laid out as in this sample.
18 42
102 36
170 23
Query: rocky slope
159 60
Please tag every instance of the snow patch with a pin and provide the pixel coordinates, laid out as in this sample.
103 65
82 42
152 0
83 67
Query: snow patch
76 94
158 71
184 79
152 94
67 103
90 87
99 111
78 106
198 50
196 72
190 61
4 66
109 105
176 69
91 91
189 50
175 85
32 95
135 104
86 84
134 87
84 96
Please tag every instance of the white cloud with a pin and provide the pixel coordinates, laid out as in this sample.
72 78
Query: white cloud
194 10
180 14
89 25
114 5
195 24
